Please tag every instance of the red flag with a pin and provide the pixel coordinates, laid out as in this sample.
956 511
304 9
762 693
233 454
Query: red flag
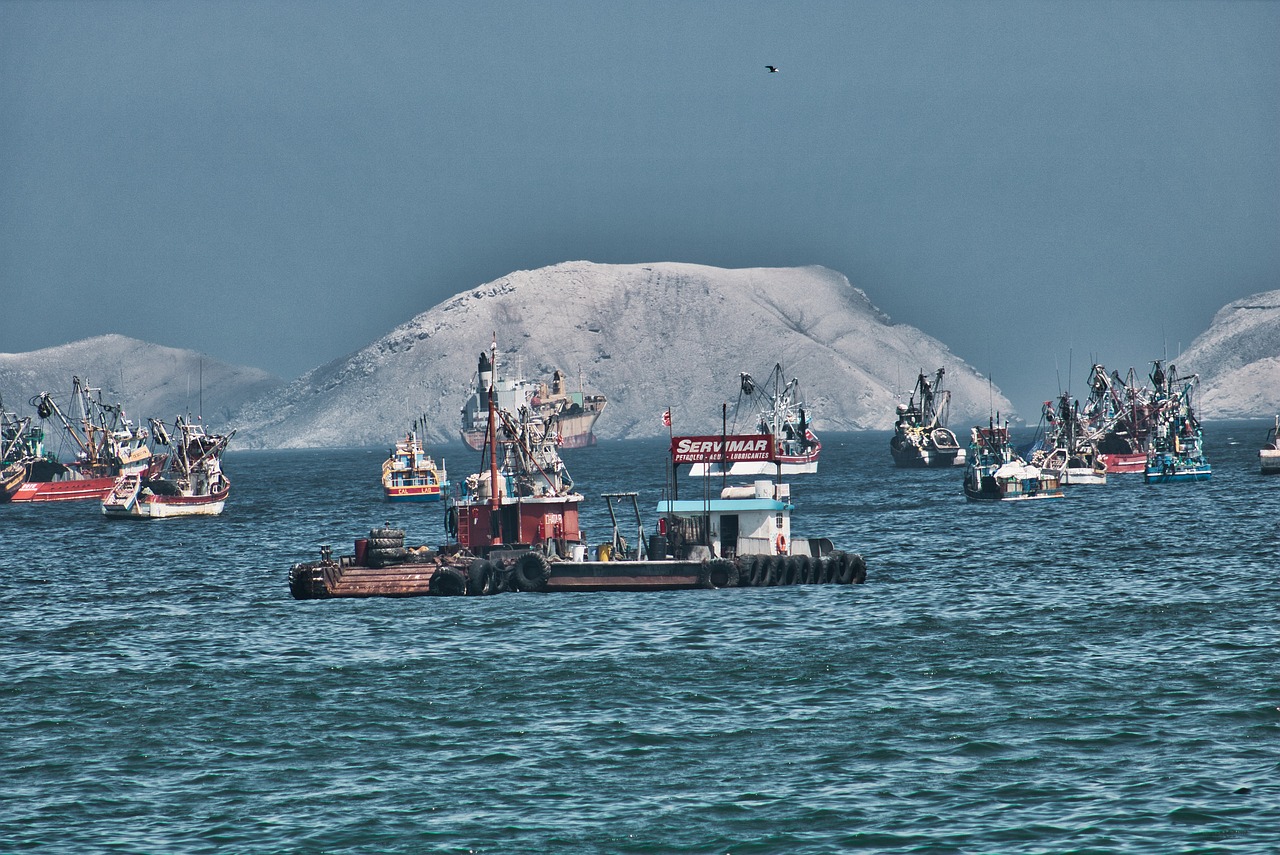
666 418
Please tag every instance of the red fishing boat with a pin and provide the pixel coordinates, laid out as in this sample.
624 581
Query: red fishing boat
107 444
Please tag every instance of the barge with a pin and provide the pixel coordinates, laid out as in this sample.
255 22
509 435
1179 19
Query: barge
516 527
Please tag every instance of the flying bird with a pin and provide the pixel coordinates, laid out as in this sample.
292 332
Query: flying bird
772 69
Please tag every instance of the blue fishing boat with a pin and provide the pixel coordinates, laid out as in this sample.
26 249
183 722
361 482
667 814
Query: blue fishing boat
1177 442
995 473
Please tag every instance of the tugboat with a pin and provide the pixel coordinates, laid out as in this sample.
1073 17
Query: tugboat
1177 442
107 445
409 474
781 415
515 527
921 437
995 473
193 483
1269 454
1068 447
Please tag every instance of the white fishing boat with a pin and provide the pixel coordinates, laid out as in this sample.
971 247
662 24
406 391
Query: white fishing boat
921 437
191 484
1068 447
995 473
780 413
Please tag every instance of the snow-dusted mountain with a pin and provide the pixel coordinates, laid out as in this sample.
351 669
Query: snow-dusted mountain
648 336
147 379
1238 359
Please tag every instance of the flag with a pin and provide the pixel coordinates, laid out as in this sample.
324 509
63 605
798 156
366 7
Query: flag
666 417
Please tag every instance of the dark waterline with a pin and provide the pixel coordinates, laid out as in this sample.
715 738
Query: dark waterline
1092 675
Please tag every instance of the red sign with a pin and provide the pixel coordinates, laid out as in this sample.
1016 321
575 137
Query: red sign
712 449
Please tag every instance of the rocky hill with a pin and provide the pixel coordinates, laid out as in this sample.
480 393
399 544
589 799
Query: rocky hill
649 336
1238 359
147 379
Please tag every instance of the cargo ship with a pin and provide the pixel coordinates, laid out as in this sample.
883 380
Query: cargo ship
571 415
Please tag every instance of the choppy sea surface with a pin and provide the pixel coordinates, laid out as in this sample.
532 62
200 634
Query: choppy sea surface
1092 675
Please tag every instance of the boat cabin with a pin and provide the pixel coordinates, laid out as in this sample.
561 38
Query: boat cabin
744 520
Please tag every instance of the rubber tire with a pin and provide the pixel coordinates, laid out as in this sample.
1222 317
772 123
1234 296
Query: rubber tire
386 542
844 568
447 582
531 572
755 572
720 573
804 569
379 558
480 578
858 569
391 533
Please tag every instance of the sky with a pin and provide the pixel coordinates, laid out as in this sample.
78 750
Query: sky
278 184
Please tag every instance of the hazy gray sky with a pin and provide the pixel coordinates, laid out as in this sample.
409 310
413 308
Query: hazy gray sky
280 183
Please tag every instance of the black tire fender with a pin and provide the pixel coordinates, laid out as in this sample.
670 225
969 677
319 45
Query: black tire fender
720 573
857 569
804 569
447 582
480 578
531 572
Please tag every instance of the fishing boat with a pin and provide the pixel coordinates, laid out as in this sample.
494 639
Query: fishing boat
779 410
12 476
14 452
1119 416
1067 446
1177 441
107 445
1269 454
409 474
192 484
921 437
995 473
572 414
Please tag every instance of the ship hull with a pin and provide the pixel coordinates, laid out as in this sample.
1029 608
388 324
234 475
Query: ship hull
573 432
911 457
75 490
1177 475
124 502
413 494
1125 464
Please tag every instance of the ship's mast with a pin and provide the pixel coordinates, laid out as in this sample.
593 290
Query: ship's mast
495 505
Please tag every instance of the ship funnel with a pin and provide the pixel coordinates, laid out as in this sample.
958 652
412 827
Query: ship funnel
485 379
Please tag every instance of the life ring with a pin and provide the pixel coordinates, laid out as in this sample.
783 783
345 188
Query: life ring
780 544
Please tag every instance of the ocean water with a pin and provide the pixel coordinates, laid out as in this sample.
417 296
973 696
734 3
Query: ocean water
1092 675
